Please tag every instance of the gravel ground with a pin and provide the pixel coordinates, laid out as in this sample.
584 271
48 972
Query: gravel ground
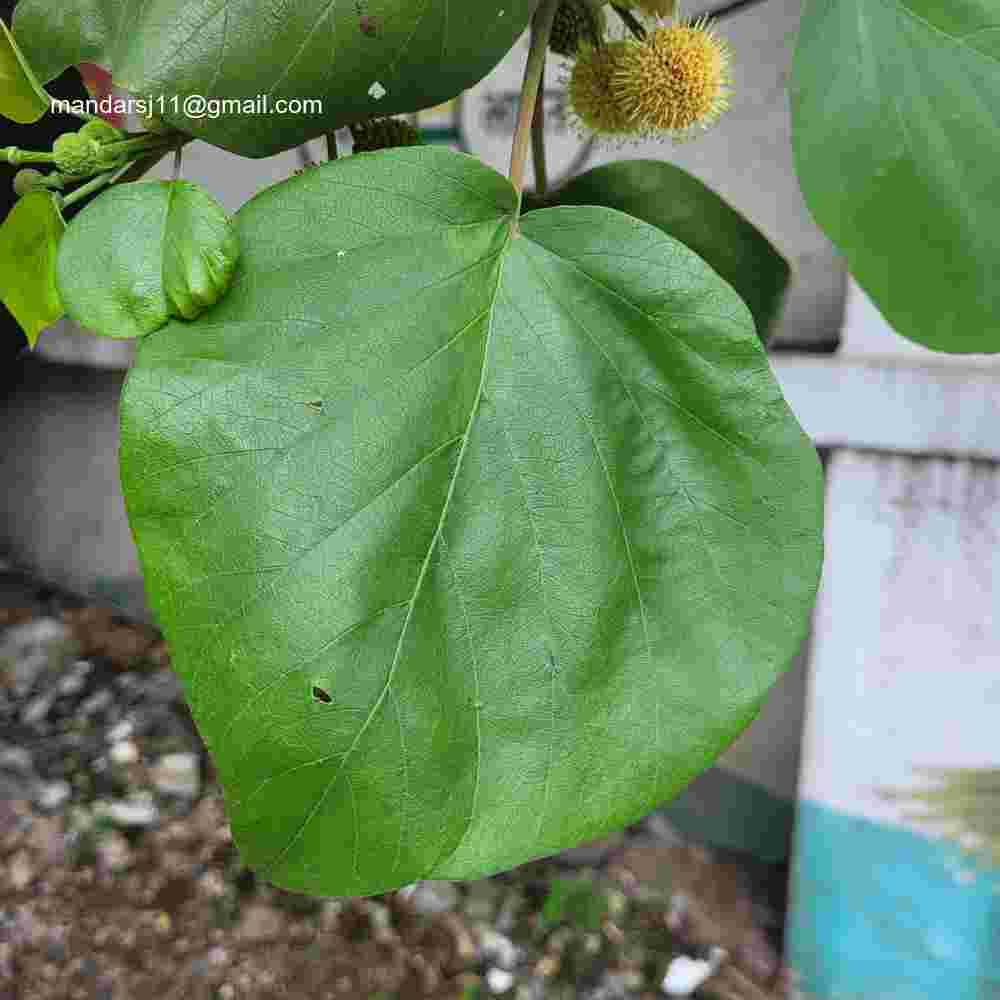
119 880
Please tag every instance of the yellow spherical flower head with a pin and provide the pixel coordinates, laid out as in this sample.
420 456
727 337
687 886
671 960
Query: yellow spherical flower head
590 97
676 81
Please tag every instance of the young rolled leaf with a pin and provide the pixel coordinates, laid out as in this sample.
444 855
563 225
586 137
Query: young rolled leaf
397 56
142 253
896 116
469 545
29 242
22 98
672 200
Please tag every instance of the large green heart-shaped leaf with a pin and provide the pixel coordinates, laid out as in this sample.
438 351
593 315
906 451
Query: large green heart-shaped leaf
672 200
29 243
469 545
896 114
359 58
141 253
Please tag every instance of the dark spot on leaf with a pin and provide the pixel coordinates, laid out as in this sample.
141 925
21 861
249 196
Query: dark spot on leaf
370 26
320 695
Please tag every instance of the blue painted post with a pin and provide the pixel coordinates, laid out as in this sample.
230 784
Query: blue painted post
905 676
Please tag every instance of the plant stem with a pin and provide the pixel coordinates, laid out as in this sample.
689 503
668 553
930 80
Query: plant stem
541 28
95 184
18 157
538 138
142 143
631 21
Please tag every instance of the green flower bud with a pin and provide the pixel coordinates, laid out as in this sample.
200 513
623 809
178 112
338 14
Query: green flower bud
576 23
77 155
28 180
101 131
384 133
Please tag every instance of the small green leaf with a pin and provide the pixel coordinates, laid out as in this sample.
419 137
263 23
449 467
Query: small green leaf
29 241
530 566
142 253
672 200
359 59
22 98
896 132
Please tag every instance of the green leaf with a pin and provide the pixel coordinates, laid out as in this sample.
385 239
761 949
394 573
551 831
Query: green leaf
896 116
362 58
29 240
672 200
22 98
141 253
469 546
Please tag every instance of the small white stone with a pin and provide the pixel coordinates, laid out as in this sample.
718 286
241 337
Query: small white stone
685 975
497 948
53 794
137 810
121 731
499 980
376 91
177 774
123 752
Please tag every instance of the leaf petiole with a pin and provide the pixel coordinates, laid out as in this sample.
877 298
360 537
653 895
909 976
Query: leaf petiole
95 184
541 29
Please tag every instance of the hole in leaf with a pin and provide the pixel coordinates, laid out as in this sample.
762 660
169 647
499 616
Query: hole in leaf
320 695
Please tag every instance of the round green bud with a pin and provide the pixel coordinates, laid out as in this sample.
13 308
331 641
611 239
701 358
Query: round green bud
77 155
101 131
576 23
383 133
28 180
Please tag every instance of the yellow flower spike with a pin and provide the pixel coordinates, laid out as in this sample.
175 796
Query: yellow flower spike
675 81
591 101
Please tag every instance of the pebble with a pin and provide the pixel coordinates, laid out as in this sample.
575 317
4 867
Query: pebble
685 974
497 948
177 774
75 681
431 898
15 759
123 752
30 648
97 702
137 810
499 980
37 709
53 794
120 732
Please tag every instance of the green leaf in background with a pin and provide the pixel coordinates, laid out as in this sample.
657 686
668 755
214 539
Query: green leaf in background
362 58
672 200
29 240
896 116
141 253
22 99
469 546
